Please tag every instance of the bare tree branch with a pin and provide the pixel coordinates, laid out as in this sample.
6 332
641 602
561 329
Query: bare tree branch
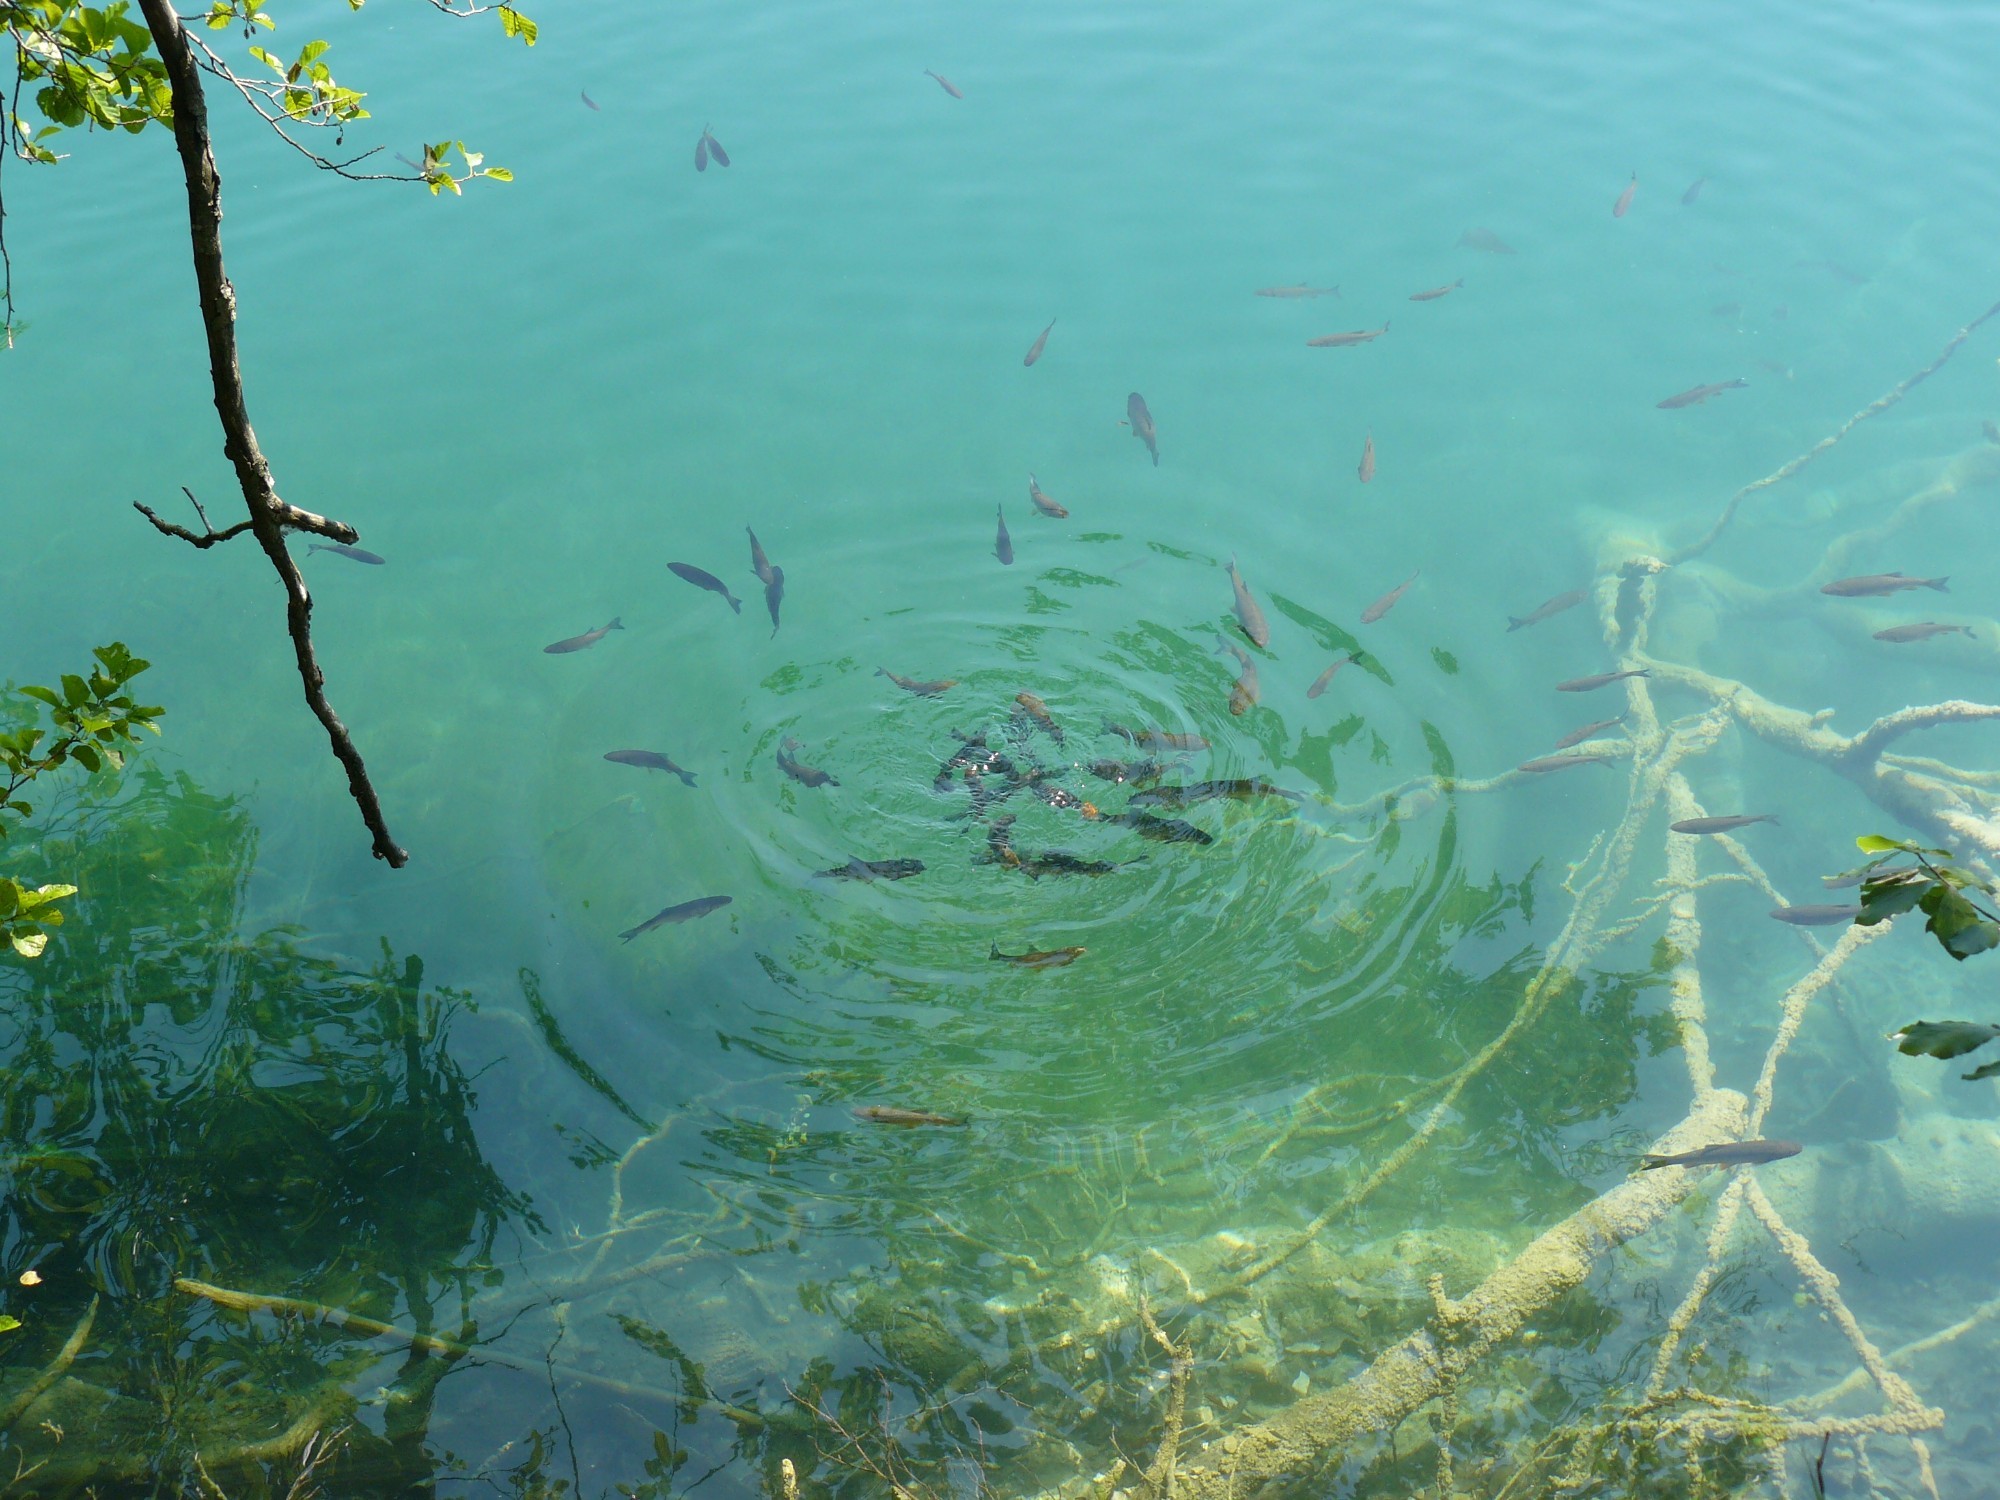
270 516
209 535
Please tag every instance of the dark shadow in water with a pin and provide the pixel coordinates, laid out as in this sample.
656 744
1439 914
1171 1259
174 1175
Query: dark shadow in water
185 1100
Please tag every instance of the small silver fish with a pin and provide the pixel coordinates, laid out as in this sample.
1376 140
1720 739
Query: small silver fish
1548 607
585 641
1725 1154
650 760
1922 631
1881 585
1035 353
701 578
944 83
1248 615
341 549
1720 825
687 911
1546 763
1320 682
1601 679
1387 602
1578 736
1003 544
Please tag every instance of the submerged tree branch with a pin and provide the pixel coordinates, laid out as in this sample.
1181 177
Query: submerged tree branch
270 516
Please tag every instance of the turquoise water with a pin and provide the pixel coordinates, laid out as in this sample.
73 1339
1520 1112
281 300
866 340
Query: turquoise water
532 399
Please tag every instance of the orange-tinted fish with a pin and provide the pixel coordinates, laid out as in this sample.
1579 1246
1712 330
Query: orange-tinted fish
1003 544
1051 958
1548 607
1320 682
1387 602
1437 291
1486 240
1562 762
1693 192
944 83
1367 468
585 641
1035 353
1898 634
1625 198
1248 615
1037 710
1142 425
1243 696
1043 503
1695 395
1342 340
921 689
1301 290
892 1114
1601 679
798 770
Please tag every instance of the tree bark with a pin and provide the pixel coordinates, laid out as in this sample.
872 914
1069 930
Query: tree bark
270 516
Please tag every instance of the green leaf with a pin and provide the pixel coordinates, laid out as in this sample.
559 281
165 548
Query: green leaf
513 23
87 757
75 690
41 695
28 941
500 174
8 1324
1892 895
1957 924
1942 1038
1875 843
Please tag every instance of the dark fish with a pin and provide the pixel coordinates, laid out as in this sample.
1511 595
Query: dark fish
1162 830
701 579
1003 544
1244 694
1240 789
1561 762
1035 353
1142 425
1695 395
759 563
1156 739
585 641
972 755
1879 585
1578 736
1042 502
590 101
1720 825
1782 311
715 149
1367 468
1726 1154
893 1114
1991 430
921 689
1625 198
1062 862
1301 290
1437 291
1387 602
873 869
944 83
1816 916
1122 771
1727 309
1898 634
1553 606
1051 958
1061 798
1693 192
359 554
774 595
650 760
1037 710
701 153
1342 340
804 774
1000 844
1487 240
1320 682
1602 679
1248 615
687 911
